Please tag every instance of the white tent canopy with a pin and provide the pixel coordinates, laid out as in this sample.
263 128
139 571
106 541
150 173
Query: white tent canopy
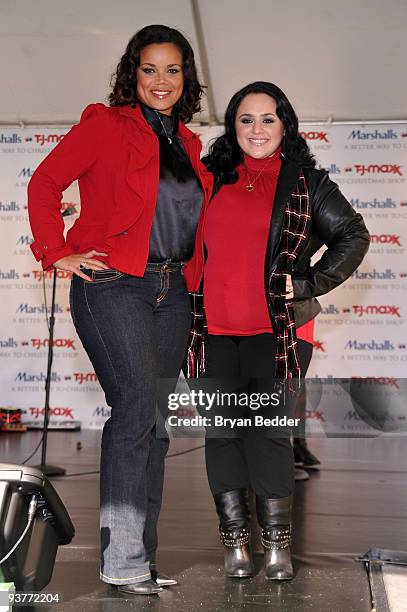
338 60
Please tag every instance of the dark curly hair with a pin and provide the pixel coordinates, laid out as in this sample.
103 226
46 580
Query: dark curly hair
124 80
225 154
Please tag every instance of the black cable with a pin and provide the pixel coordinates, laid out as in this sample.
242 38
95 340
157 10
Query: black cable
47 323
45 299
78 474
34 451
31 515
189 450
367 568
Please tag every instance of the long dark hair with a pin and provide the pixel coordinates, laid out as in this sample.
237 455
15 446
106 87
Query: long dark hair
124 80
225 154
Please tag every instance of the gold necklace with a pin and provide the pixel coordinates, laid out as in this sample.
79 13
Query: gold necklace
250 185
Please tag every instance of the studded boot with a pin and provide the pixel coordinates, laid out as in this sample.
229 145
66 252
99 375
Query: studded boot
234 528
274 516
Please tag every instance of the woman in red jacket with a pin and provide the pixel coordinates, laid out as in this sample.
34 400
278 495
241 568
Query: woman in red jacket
143 193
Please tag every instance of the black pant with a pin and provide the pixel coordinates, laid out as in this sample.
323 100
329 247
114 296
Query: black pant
252 460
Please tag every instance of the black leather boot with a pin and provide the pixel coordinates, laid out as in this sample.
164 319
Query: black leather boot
274 516
234 528
161 579
303 456
149 587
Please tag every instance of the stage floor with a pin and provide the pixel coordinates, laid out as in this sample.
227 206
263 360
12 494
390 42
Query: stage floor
356 501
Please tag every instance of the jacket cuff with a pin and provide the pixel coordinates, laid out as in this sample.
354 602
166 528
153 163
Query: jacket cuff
301 288
37 251
48 258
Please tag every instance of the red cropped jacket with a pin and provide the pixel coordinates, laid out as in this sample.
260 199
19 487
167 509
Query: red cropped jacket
114 155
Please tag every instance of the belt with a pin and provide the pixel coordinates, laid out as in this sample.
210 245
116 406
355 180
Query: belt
165 266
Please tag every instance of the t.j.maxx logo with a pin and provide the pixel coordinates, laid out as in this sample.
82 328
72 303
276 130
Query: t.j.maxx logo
38 343
375 380
321 136
385 239
54 412
81 377
43 139
48 274
363 169
360 310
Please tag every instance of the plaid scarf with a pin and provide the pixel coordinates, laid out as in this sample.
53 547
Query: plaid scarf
295 230
195 363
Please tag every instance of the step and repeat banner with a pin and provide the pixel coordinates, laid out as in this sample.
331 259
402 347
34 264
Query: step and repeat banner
361 331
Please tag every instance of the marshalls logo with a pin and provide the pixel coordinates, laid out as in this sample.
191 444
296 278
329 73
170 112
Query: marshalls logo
25 173
330 310
9 207
11 274
29 309
101 411
24 240
374 274
9 343
31 378
10 139
388 134
372 345
332 169
373 204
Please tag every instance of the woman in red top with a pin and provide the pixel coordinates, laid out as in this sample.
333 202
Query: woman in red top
143 193
272 211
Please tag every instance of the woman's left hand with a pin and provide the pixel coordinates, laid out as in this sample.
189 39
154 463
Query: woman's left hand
289 290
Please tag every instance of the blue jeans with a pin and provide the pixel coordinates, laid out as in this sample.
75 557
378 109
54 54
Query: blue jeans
134 330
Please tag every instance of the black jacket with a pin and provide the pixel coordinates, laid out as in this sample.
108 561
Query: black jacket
334 223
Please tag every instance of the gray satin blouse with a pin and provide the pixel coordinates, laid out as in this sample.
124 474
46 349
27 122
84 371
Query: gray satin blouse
180 194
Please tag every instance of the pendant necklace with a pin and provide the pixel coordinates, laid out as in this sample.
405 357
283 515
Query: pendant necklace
163 126
250 185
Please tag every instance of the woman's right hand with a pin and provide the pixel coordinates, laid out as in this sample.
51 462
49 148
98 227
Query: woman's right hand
74 263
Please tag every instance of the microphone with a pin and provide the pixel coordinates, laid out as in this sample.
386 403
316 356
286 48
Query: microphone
70 210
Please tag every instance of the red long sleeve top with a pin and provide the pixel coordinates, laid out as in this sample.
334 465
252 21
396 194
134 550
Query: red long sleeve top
236 233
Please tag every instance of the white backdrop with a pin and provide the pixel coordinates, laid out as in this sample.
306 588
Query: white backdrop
360 332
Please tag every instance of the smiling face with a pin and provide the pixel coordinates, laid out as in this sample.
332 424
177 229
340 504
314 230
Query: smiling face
259 131
160 79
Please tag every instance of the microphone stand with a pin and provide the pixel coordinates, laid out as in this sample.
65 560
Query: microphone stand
47 469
